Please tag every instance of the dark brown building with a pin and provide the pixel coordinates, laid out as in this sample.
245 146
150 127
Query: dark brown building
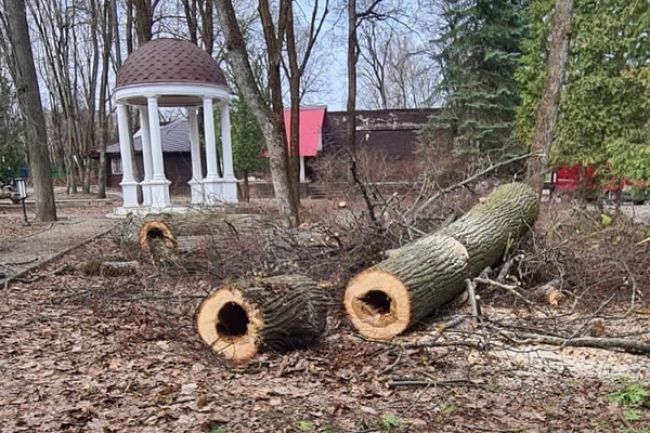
176 155
386 143
387 151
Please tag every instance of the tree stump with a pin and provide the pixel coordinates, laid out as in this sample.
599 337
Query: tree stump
247 316
393 295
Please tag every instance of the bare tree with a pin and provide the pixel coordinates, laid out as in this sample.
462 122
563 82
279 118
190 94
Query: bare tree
69 39
107 42
295 66
537 166
355 18
394 68
270 120
16 29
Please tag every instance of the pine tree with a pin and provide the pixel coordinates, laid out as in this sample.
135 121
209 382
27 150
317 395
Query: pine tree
478 55
247 142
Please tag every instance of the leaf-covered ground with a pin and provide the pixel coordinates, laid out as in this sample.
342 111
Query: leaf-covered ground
94 354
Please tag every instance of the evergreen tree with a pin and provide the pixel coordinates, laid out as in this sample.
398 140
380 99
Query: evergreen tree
605 104
478 55
247 141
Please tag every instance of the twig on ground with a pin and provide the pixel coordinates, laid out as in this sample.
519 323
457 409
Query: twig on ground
512 289
427 382
619 344
25 262
505 269
392 365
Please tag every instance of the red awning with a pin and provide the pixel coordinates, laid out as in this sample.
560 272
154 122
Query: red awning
311 129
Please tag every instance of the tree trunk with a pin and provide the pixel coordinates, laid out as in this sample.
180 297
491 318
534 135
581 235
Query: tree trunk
247 189
395 294
271 128
549 105
109 268
29 100
248 316
232 244
351 137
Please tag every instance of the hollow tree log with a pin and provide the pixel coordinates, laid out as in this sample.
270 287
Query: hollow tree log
393 295
247 316
157 235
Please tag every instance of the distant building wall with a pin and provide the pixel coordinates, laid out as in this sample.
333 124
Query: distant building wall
178 169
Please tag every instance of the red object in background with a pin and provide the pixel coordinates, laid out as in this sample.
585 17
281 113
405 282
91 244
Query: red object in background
311 129
567 178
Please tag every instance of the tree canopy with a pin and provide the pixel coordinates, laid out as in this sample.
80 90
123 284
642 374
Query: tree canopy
478 55
605 103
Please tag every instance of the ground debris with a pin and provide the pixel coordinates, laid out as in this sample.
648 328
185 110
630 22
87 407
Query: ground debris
108 353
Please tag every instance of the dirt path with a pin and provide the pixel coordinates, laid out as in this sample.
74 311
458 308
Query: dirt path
23 246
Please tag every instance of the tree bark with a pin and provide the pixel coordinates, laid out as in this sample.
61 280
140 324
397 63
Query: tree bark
395 294
109 268
271 127
200 241
140 232
247 316
295 72
537 166
351 137
107 42
29 99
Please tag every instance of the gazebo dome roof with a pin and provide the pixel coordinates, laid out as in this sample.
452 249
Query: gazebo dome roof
170 61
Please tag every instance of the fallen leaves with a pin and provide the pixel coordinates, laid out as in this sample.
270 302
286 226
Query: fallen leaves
75 359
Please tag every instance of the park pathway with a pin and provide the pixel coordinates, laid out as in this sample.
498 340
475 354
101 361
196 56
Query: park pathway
45 241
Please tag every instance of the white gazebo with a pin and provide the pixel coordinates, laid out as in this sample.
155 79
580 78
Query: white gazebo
173 73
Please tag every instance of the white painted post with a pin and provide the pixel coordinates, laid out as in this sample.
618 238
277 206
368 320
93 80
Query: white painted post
196 186
212 183
226 142
147 161
128 184
210 140
302 169
159 183
229 183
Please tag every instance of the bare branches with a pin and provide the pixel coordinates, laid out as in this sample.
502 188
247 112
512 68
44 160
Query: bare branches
416 210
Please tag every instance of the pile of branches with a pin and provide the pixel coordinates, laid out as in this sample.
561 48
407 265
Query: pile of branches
586 253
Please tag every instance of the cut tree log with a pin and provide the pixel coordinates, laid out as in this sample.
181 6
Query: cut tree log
109 268
393 295
157 235
247 316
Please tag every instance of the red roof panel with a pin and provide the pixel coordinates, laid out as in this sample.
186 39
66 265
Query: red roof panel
311 129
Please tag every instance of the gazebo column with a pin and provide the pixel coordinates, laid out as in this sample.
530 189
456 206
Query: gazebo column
129 185
229 181
196 184
159 185
212 183
147 161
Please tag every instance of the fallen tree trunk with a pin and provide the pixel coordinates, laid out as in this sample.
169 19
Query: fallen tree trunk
392 296
247 316
109 268
157 235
